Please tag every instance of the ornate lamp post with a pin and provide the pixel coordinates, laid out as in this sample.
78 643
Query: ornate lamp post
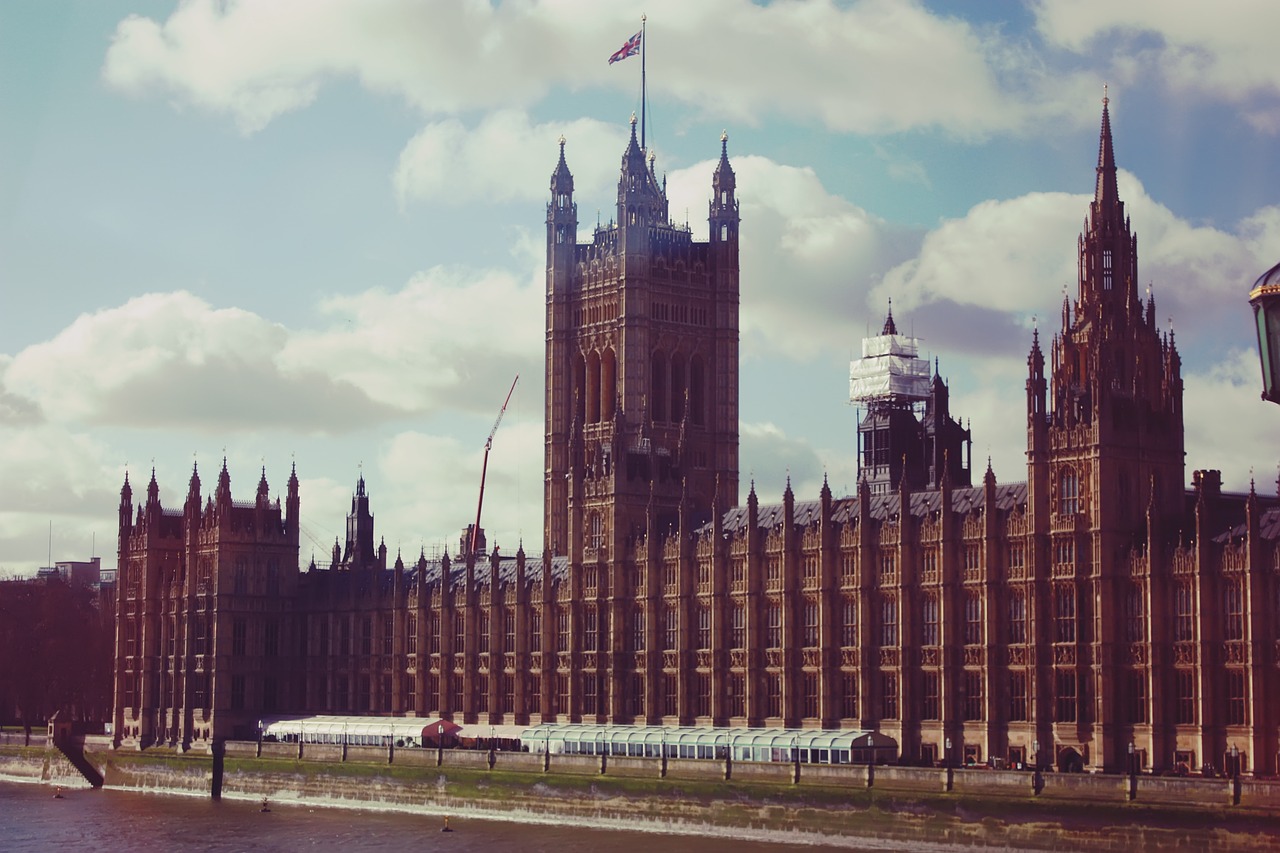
1133 772
1235 775
1265 299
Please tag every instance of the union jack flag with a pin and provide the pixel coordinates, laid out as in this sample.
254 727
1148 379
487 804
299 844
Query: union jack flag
631 48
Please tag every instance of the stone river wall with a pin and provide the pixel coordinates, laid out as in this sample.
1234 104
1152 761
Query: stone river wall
915 805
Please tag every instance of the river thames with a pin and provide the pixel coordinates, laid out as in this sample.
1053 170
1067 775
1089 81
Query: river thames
31 819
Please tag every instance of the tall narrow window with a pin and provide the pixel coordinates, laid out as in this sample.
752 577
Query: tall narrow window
738 627
1064 614
591 629
1183 613
889 695
1106 269
888 621
704 627
1135 614
658 387
1017 696
1065 694
1185 687
972 619
1233 609
637 629
848 621
973 695
849 695
932 696
929 624
810 625
1017 617
1069 493
774 626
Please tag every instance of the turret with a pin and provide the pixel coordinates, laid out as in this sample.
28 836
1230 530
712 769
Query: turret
126 505
291 504
562 226
723 209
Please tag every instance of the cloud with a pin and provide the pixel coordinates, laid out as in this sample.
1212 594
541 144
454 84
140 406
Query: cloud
1197 49
809 258
169 359
1227 422
445 339
877 66
451 164
449 337
1006 260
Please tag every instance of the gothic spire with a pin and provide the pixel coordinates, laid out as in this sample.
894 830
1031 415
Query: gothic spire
1106 194
890 328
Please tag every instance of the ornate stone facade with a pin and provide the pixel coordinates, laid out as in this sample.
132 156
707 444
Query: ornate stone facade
1096 606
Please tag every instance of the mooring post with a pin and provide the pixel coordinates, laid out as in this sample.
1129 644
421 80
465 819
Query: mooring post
218 750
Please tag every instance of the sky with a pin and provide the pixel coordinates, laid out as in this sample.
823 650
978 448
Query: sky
312 232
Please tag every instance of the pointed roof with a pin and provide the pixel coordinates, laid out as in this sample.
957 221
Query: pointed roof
1106 193
890 328
723 177
562 178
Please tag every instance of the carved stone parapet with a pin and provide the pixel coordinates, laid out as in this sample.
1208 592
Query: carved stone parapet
773 657
973 656
435 663
1064 655
669 660
1233 651
535 660
737 657
1017 655
848 657
702 659
509 662
1184 653
811 658
888 657
930 656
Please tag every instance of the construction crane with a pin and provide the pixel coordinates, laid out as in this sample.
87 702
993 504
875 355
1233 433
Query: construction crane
484 469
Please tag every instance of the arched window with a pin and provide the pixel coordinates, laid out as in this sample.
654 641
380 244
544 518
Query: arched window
930 622
579 389
658 387
1069 492
696 392
593 388
677 388
608 384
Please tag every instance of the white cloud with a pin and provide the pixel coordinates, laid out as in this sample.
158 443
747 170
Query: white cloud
1013 259
1227 423
449 163
808 257
877 66
1223 52
445 339
168 359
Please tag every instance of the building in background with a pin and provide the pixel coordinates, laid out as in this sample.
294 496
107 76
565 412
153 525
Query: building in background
1093 611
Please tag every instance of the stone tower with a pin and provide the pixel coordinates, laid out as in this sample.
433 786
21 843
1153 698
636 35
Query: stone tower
1105 454
642 363
907 434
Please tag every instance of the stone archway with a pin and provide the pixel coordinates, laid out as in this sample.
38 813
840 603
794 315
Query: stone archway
1070 761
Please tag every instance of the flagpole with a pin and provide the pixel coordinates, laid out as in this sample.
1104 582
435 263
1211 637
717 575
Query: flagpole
644 97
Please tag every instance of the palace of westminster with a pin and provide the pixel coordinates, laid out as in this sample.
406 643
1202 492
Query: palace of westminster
1095 608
